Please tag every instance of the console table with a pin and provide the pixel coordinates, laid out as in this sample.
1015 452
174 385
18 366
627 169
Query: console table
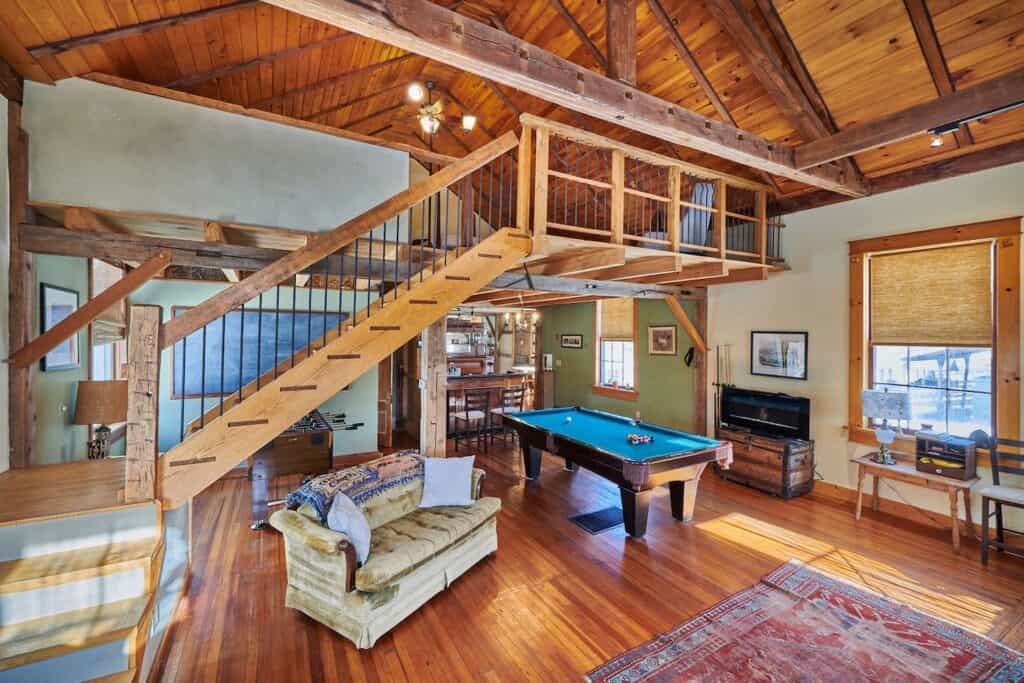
908 474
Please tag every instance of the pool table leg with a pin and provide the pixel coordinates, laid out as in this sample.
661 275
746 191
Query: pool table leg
634 510
531 461
683 495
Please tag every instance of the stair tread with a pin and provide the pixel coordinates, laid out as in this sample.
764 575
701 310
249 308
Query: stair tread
30 641
28 573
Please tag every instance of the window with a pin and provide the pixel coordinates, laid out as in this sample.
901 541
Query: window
936 314
615 358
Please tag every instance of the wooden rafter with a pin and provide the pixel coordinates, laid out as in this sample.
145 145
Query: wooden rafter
122 32
336 80
433 31
997 93
574 25
933 57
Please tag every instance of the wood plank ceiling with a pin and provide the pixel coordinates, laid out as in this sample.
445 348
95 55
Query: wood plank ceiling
851 61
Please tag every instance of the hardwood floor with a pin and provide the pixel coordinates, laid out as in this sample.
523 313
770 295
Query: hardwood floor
556 601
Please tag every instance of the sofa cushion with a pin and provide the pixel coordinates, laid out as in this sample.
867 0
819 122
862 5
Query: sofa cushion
401 545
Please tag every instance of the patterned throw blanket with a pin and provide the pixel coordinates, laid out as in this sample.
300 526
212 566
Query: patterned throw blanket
360 483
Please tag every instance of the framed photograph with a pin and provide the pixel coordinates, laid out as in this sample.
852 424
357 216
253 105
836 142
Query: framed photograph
661 340
779 354
55 304
572 341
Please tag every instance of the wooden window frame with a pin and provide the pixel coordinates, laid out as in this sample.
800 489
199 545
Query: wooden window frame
1005 235
611 392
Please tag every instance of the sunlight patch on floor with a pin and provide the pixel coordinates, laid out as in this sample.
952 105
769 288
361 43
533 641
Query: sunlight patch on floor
784 544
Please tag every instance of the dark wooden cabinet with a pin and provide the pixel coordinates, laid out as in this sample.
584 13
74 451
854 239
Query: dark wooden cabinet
780 466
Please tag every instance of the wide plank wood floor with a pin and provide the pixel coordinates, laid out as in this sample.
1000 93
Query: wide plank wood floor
555 601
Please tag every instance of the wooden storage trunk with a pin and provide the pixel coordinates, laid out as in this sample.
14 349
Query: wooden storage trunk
783 467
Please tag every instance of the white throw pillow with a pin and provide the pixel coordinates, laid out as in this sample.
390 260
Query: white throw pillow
447 481
345 517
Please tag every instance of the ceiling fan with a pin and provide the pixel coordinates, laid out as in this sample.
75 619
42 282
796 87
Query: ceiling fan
431 114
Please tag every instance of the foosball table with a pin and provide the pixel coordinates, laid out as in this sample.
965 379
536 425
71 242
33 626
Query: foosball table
305 448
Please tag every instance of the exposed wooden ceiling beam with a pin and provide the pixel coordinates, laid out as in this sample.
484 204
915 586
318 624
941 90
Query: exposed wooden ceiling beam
970 162
221 72
575 261
620 39
335 80
927 39
122 32
214 232
564 12
11 84
684 321
991 95
435 32
517 280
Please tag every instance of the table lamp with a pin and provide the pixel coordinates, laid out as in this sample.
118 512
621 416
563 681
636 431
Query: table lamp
885 406
101 402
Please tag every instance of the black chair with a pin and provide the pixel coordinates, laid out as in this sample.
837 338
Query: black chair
511 402
472 420
999 495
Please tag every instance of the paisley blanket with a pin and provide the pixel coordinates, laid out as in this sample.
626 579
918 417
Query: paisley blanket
360 483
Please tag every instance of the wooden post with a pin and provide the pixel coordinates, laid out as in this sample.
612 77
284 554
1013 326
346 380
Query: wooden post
143 402
618 194
672 224
621 38
720 217
523 180
538 364
1007 346
700 368
22 279
540 186
434 394
857 377
385 396
762 226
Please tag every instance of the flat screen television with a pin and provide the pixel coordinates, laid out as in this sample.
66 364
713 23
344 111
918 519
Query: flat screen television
762 412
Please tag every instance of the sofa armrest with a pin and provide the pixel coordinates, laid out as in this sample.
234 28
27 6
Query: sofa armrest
330 546
476 485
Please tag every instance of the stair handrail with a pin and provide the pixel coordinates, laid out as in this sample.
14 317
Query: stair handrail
317 248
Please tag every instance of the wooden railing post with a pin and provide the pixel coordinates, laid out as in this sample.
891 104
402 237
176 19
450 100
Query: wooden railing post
672 224
523 179
434 401
720 218
762 226
141 438
540 185
618 194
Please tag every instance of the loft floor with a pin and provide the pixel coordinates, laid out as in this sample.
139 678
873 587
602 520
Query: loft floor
556 601
66 488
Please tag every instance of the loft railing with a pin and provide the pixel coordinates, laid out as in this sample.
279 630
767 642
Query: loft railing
591 187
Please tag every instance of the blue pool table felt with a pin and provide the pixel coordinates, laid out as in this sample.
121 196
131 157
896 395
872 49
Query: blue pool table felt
608 432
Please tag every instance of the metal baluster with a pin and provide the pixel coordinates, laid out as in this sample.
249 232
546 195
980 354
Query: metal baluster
501 191
202 383
223 340
355 280
277 328
327 277
383 263
309 313
408 254
291 341
341 287
398 235
576 192
181 430
444 230
241 352
259 342
490 196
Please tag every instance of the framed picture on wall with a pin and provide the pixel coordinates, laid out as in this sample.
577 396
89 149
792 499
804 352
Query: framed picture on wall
779 354
661 340
55 304
572 341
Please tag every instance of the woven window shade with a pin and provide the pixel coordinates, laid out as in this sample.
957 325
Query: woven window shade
616 318
110 325
935 297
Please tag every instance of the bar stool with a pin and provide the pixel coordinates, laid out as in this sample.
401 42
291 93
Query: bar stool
994 497
511 402
472 420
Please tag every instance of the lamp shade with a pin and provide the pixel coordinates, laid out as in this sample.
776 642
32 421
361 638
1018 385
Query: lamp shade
101 402
885 405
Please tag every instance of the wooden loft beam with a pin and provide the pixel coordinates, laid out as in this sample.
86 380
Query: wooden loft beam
933 57
997 93
420 153
620 26
517 280
122 32
335 80
437 33
808 115
969 162
576 261
564 12
193 80
684 320
30 353
214 232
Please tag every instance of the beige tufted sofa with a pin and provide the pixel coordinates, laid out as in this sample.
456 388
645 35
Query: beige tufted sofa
414 554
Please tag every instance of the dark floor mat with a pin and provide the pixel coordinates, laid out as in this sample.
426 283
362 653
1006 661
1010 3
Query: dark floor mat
602 520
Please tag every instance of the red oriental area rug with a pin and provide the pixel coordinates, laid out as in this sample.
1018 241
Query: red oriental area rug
799 624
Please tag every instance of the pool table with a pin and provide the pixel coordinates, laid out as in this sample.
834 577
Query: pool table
597 441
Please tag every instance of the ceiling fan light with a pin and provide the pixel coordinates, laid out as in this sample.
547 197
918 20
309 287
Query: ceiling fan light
416 92
936 141
429 124
468 122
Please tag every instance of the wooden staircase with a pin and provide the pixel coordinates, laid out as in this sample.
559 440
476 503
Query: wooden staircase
226 440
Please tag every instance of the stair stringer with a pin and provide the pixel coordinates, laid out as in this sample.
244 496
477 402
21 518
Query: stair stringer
194 464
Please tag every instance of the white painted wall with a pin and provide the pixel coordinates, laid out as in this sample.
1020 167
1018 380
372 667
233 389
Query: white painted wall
813 297
5 257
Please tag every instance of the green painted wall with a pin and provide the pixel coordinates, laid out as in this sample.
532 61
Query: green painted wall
665 384
57 440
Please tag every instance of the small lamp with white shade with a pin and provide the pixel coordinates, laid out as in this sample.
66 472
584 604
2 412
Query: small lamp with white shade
885 406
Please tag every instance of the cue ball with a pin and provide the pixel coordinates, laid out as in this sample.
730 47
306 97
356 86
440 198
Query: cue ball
569 418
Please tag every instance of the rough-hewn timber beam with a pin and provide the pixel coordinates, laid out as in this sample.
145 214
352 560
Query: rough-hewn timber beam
997 93
122 32
620 27
563 285
684 320
11 84
435 32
